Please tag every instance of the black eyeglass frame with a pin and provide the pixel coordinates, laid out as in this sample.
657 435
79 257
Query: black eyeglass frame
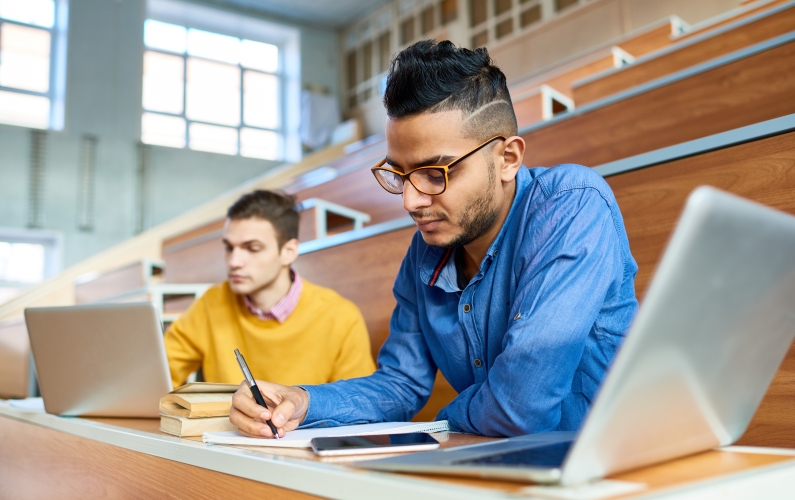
443 168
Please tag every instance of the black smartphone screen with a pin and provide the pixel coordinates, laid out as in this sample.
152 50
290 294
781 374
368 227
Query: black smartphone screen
377 441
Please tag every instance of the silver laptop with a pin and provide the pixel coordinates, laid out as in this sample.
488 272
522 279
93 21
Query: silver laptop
713 329
105 360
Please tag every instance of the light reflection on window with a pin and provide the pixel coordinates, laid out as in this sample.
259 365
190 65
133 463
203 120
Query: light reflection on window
261 100
21 262
36 12
163 130
24 57
261 56
214 46
164 82
263 144
213 138
213 92
165 36
24 109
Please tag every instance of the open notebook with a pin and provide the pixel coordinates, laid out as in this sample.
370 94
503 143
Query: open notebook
302 438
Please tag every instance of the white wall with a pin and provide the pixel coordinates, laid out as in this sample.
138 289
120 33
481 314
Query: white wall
103 98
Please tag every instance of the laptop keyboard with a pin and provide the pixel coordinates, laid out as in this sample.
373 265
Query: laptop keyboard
542 456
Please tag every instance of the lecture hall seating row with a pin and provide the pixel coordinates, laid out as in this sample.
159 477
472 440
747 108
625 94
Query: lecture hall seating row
687 52
744 87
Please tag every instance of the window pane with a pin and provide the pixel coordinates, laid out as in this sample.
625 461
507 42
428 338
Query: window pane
261 56
163 130
213 92
261 100
24 57
214 46
25 110
21 262
165 36
260 144
38 12
164 82
213 138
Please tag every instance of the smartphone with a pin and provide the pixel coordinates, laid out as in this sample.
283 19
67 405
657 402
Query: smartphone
382 443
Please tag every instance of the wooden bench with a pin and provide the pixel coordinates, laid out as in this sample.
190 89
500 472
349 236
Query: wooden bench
688 52
563 74
539 104
651 200
745 87
95 287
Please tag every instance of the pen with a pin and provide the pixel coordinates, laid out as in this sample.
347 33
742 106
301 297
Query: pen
254 389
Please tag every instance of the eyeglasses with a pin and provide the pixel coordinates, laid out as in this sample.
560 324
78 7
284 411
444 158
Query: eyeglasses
430 180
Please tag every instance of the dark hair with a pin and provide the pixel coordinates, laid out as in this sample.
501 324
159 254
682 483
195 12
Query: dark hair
276 208
432 76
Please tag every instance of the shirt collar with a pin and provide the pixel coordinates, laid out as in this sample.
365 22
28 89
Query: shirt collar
282 309
437 268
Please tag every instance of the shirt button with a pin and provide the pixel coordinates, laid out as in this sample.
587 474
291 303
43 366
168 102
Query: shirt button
478 363
467 308
518 315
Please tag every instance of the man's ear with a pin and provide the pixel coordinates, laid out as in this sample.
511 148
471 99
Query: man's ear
289 252
512 156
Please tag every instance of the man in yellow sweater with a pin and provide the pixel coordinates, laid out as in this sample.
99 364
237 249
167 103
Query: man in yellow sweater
290 330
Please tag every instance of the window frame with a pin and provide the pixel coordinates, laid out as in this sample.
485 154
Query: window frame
57 71
185 56
52 241
224 22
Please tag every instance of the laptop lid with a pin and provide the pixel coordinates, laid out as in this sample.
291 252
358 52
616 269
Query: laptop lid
713 328
104 360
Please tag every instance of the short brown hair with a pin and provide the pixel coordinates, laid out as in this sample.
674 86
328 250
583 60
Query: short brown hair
276 208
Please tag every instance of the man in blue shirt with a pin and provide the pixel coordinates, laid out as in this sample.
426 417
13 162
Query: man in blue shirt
518 286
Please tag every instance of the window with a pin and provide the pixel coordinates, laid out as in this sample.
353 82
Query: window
27 257
563 4
502 6
480 39
449 10
530 16
478 13
384 52
504 28
407 31
211 92
427 20
30 78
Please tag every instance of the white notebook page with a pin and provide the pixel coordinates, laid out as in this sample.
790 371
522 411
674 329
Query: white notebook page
302 438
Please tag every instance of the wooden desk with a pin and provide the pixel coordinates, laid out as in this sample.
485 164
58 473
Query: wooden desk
44 456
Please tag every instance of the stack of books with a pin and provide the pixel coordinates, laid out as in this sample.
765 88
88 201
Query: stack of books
196 408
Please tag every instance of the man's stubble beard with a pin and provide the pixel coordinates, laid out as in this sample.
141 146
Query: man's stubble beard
478 216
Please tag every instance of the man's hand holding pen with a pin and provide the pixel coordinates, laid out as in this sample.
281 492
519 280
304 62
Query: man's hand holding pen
291 405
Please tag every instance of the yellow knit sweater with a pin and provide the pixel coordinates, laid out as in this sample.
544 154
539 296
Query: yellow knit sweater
323 340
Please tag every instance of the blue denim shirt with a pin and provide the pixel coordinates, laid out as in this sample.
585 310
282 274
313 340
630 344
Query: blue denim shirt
527 343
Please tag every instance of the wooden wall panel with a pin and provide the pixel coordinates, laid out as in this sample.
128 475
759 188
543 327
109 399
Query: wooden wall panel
651 200
36 462
747 91
111 284
364 272
195 256
690 55
529 109
359 190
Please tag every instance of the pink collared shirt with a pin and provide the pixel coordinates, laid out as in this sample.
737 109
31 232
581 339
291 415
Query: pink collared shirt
282 309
